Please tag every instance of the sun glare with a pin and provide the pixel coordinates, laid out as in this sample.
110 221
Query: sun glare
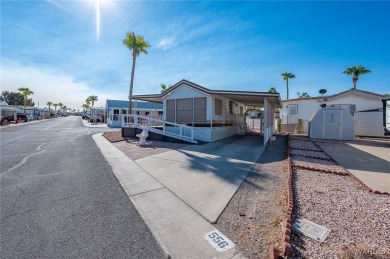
98 6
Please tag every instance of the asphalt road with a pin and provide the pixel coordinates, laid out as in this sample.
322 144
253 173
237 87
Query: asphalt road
60 198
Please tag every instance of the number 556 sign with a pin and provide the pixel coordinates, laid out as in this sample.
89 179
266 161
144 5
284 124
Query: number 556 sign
218 241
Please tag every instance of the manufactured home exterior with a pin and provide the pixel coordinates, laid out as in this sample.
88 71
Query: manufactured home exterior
353 100
211 115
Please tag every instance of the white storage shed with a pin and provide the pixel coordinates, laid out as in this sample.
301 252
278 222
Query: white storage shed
332 123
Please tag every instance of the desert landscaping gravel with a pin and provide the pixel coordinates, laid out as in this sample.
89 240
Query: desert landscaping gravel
308 153
357 219
304 144
320 164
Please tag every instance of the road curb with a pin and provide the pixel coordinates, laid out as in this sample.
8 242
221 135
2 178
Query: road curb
178 229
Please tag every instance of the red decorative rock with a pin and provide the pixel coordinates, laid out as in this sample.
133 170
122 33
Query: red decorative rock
286 249
273 252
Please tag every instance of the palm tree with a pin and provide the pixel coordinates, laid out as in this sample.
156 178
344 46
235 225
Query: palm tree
163 88
304 95
92 98
49 104
287 76
85 107
25 92
137 45
55 109
356 72
60 105
272 90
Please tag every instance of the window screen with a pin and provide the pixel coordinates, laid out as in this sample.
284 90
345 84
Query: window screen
230 107
170 116
200 109
184 110
293 109
218 106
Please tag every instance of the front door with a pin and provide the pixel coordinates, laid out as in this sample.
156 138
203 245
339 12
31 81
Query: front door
332 124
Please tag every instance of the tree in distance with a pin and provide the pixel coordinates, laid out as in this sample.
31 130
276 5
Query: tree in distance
356 71
286 76
137 45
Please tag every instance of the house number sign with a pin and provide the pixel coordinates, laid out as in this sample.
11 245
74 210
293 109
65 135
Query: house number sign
220 242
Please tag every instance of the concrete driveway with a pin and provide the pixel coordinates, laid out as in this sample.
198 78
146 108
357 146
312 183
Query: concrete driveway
206 176
371 164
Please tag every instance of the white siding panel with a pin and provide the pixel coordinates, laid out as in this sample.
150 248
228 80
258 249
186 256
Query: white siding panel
306 108
362 104
185 91
369 124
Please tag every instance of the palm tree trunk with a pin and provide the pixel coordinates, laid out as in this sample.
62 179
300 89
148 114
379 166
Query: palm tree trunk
131 86
25 103
354 82
287 87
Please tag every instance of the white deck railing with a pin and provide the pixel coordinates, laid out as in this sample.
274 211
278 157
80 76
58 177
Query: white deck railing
166 128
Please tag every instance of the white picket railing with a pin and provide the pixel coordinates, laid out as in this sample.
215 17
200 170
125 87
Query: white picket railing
171 129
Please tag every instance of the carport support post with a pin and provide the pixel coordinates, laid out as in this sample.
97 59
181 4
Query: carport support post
266 118
211 128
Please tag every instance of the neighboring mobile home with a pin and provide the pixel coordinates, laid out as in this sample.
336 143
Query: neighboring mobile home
116 108
353 100
212 115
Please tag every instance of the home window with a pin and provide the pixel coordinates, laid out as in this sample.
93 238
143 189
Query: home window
116 111
200 109
218 106
184 110
170 116
231 107
293 109
124 111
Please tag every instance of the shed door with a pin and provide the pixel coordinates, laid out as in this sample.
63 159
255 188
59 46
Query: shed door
332 124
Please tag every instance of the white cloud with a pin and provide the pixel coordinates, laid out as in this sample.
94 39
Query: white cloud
166 43
50 85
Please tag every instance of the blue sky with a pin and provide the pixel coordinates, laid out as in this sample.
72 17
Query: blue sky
52 46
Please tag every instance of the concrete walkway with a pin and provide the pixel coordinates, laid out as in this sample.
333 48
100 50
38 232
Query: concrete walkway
205 176
179 229
93 125
371 164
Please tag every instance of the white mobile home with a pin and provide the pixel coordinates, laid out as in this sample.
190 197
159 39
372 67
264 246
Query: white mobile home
212 115
352 100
